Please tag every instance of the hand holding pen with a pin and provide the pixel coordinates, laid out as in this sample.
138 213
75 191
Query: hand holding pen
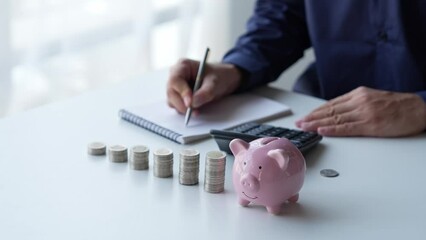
198 80
220 79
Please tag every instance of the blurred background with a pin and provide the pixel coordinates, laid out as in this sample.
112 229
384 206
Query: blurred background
54 49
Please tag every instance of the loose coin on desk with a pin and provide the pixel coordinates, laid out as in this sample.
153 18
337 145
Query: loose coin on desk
329 173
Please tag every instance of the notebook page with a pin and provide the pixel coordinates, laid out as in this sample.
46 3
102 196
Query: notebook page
228 112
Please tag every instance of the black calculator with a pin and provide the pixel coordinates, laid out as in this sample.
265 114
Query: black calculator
252 130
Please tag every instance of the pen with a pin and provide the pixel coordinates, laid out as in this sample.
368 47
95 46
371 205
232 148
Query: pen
197 84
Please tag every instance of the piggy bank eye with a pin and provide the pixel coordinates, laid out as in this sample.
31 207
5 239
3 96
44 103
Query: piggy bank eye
245 163
260 167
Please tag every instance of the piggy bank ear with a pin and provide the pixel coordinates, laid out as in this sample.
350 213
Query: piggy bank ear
280 156
238 145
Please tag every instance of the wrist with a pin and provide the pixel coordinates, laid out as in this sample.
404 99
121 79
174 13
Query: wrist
422 110
244 78
235 77
424 115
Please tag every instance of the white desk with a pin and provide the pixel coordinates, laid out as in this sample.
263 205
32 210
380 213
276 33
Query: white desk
51 189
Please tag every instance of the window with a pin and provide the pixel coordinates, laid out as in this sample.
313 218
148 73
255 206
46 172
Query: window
62 47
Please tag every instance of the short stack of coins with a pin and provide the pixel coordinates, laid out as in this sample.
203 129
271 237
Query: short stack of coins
189 166
117 153
163 163
214 176
96 148
140 157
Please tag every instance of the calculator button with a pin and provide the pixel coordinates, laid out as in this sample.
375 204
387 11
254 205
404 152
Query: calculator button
297 143
275 132
244 127
290 134
301 139
259 130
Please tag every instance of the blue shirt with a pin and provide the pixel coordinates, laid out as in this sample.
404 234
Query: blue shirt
375 43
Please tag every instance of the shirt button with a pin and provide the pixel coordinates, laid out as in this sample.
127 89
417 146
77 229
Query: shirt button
383 36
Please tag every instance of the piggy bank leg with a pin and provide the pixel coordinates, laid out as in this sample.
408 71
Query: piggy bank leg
294 198
243 202
274 209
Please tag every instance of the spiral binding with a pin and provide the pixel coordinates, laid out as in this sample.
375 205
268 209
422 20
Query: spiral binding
148 125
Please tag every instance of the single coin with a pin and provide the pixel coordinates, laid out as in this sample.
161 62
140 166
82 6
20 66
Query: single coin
96 148
216 155
140 149
163 152
329 173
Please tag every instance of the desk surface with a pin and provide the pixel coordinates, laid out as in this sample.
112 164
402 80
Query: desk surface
51 189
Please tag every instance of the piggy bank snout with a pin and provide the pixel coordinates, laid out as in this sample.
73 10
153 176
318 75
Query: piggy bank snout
249 183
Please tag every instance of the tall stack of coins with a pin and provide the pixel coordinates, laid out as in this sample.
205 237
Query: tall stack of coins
189 167
140 157
117 153
163 163
214 176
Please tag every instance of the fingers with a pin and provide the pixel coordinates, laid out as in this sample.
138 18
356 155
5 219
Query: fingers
179 92
327 112
206 93
345 129
334 120
219 80
336 101
175 100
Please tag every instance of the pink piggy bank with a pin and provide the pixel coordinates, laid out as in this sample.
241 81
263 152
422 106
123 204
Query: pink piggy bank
267 171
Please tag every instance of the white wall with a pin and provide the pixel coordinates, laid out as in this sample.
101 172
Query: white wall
5 62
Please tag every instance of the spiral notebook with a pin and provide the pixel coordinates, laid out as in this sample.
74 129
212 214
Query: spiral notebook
229 112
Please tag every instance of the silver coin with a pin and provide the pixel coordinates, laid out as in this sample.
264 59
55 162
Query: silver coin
139 157
96 148
214 176
117 153
163 163
189 167
217 155
140 166
140 149
329 173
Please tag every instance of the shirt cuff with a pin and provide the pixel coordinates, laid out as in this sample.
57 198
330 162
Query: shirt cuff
422 94
251 68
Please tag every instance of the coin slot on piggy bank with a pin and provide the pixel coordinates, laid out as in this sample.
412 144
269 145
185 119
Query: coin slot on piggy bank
267 171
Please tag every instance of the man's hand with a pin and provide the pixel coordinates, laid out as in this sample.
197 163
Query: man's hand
368 112
219 80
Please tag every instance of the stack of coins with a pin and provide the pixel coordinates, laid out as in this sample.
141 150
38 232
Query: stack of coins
163 163
117 153
96 148
189 167
140 157
214 176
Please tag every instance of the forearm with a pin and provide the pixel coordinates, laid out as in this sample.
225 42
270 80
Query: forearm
276 37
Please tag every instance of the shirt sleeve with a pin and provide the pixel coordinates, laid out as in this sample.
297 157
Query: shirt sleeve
422 94
275 38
